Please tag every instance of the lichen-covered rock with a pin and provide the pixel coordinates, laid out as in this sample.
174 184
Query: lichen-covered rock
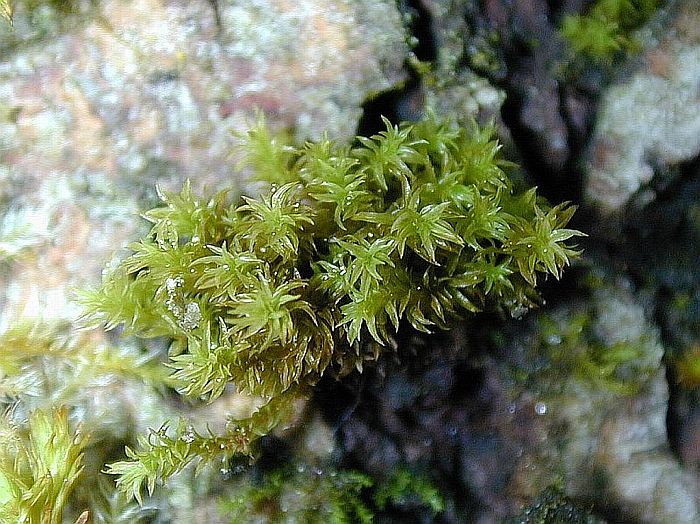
651 119
451 88
604 437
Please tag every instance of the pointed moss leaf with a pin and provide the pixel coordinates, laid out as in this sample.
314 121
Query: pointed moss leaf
424 229
276 221
6 10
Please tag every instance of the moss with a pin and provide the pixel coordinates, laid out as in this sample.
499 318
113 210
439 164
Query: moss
607 29
39 467
418 224
300 494
6 10
308 494
50 376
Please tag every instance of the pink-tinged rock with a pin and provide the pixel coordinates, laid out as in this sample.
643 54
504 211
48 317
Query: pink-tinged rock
141 92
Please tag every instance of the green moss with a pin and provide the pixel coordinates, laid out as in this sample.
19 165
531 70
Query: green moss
606 30
39 467
51 375
6 10
307 494
419 223
303 495
404 489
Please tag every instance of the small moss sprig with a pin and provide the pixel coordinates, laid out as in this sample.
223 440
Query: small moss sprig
311 494
302 494
163 453
605 31
418 223
38 467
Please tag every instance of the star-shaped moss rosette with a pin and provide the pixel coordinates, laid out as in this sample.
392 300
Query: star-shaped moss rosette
419 223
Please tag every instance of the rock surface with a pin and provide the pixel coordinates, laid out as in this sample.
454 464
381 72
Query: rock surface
607 439
651 119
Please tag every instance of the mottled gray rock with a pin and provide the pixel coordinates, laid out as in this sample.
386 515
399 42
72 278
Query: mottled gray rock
452 89
650 119
313 61
609 447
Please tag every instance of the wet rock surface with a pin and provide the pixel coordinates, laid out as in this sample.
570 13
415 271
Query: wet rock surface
517 46
609 428
512 409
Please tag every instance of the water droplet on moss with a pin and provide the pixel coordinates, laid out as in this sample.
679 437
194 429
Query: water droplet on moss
554 339
188 435
192 317
173 283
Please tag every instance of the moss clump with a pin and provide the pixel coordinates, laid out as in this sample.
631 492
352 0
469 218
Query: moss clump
607 29
307 494
267 293
39 467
